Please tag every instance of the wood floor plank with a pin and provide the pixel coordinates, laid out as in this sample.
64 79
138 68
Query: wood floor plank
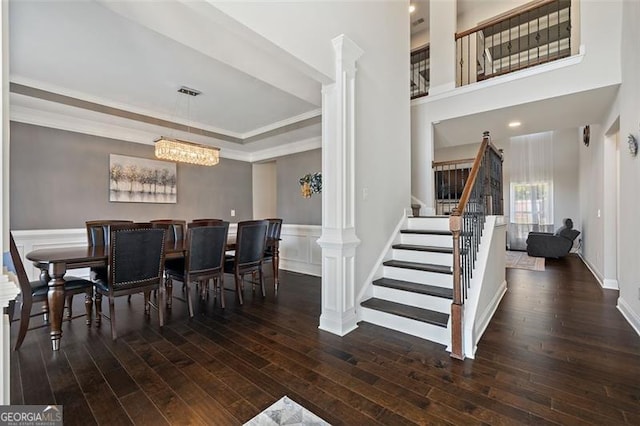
103 402
66 390
556 352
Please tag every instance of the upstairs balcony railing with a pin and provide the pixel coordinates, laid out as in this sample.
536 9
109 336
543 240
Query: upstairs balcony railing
420 72
530 36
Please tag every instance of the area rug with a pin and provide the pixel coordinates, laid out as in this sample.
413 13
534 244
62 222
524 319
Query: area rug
286 412
520 260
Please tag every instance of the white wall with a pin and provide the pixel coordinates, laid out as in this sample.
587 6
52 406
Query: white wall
629 104
598 67
265 194
381 29
566 166
592 201
419 39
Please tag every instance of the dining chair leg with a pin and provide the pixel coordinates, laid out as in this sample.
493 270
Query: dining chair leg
261 275
161 302
45 312
88 305
69 301
169 295
112 314
129 299
25 316
189 301
147 297
98 301
276 278
220 282
239 278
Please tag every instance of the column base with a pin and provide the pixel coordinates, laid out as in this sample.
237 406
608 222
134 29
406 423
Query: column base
336 325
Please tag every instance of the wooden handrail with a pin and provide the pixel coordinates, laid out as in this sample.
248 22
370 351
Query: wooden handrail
505 17
435 164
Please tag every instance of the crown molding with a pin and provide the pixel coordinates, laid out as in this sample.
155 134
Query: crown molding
57 90
62 120
52 93
282 123
287 149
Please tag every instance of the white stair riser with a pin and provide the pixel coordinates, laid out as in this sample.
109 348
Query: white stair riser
421 277
427 240
430 257
418 300
429 223
420 329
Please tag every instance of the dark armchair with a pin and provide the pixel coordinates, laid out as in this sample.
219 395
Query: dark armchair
546 244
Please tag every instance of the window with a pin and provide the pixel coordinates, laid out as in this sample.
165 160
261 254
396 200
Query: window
532 203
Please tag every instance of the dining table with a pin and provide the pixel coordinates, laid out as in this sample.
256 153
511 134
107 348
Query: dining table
54 263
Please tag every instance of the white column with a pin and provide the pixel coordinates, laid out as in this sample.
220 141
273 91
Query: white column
339 240
8 290
443 22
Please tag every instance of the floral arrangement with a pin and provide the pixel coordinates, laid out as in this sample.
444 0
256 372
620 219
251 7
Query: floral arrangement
310 184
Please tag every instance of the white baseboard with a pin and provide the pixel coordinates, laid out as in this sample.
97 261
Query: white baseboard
610 284
632 318
485 318
593 270
301 267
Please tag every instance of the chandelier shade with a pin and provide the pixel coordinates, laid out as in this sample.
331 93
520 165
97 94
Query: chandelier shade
186 152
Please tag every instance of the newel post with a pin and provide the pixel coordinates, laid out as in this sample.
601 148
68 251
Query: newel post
457 308
339 240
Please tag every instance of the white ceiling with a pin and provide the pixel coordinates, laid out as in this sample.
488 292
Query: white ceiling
563 112
122 58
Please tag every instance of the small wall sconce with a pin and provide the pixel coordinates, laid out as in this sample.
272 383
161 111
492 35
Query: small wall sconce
633 145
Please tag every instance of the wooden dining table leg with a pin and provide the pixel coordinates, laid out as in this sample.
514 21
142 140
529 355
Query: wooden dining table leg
56 302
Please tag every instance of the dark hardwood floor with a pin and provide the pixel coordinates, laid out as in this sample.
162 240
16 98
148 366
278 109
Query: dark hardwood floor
556 352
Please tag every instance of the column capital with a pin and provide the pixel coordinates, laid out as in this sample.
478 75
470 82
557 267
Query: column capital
347 53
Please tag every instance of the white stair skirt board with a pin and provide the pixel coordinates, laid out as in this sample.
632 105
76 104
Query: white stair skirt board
433 258
418 300
421 277
430 223
427 240
420 329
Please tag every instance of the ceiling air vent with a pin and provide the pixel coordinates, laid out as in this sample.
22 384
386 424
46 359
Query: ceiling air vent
417 22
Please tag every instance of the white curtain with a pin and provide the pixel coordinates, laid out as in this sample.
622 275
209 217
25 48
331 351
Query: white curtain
531 187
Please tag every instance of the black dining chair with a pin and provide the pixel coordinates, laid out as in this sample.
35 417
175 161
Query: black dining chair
250 244
208 221
37 292
176 229
135 265
204 260
98 235
272 249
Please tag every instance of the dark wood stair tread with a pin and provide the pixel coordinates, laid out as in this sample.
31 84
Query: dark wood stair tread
427 267
425 232
427 289
411 312
414 247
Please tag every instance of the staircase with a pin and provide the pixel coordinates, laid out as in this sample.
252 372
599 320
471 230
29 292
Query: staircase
415 293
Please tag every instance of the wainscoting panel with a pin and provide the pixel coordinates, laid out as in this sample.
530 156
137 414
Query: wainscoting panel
298 249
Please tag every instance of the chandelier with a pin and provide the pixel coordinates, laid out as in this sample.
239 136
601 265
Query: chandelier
186 152
183 151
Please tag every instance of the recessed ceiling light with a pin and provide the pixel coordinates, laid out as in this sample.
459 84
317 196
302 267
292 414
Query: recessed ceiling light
412 8
515 124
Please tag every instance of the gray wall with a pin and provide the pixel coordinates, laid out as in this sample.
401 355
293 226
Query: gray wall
293 208
60 179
